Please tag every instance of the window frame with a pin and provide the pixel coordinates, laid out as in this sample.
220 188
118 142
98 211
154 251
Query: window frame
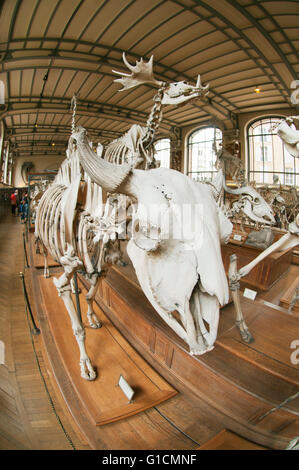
158 140
189 154
283 175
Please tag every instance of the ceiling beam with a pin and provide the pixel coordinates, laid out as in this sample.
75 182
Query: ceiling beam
94 59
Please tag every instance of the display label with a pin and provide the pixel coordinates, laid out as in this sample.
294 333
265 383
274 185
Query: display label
237 237
126 388
250 294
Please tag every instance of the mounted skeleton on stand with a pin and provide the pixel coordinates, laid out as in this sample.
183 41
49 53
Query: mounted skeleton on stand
290 138
249 204
180 271
62 226
72 223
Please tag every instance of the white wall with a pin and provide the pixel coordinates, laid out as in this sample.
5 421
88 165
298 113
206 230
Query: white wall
41 163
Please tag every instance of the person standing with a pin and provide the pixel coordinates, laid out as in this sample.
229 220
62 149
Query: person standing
24 209
13 202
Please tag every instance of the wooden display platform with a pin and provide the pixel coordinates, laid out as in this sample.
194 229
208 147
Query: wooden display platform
288 296
227 440
266 273
37 260
295 257
240 384
244 382
111 356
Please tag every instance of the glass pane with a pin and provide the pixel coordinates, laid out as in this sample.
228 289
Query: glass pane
268 158
162 152
201 153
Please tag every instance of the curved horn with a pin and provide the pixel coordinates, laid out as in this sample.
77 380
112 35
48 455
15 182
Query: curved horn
107 175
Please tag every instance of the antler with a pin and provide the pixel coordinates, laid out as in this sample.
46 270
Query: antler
202 87
141 73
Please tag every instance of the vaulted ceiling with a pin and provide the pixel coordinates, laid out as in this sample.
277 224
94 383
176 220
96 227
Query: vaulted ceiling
50 50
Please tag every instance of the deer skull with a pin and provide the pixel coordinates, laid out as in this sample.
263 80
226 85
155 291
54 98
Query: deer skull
179 92
174 93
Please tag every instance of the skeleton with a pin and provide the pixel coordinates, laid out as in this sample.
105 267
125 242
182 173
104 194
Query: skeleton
179 266
287 241
290 135
136 145
250 205
284 202
169 258
36 192
72 223
26 167
67 203
34 197
277 202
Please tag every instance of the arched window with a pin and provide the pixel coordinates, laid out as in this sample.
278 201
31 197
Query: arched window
162 152
201 154
268 159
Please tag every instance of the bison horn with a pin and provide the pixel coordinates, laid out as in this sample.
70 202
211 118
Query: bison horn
107 175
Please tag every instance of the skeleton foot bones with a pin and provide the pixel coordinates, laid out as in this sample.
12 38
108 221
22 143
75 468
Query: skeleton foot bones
288 240
70 264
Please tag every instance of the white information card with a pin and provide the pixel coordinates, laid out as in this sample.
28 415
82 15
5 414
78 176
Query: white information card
250 294
237 237
126 388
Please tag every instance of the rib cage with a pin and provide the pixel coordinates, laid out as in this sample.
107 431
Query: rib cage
129 147
51 215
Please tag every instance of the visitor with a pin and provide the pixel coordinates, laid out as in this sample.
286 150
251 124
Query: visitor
24 210
13 202
17 202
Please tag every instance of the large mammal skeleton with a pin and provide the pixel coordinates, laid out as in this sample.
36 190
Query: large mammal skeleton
178 265
55 219
177 261
73 224
249 204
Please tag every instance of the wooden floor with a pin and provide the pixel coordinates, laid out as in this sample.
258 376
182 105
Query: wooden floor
33 413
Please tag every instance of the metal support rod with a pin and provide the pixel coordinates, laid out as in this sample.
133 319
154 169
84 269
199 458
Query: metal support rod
77 296
35 330
25 251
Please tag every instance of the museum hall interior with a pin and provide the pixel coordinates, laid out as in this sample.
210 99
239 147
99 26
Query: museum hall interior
149 224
